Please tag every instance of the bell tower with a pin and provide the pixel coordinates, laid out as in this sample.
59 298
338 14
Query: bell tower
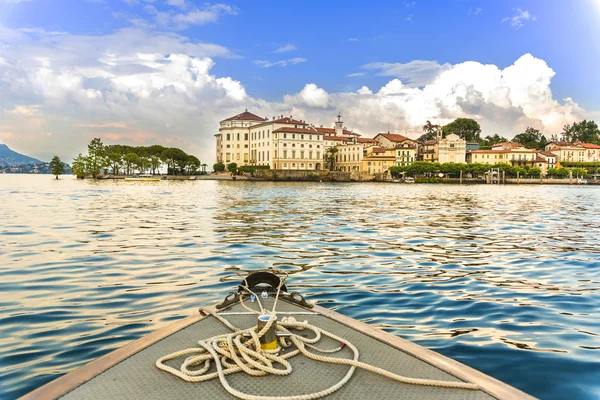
339 125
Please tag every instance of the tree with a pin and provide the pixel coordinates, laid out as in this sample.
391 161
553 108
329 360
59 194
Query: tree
232 167
96 157
219 167
155 164
562 172
490 141
467 128
204 168
79 166
531 138
430 132
331 156
193 164
579 172
584 131
116 160
130 160
535 171
56 166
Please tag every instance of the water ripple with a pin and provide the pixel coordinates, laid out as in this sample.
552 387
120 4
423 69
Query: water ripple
504 279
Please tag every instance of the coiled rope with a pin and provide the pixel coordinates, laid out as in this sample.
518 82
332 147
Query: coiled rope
236 352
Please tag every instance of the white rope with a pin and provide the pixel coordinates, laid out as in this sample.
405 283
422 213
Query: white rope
236 352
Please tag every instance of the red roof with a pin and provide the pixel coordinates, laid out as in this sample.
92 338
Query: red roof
289 120
366 140
430 142
508 145
245 116
378 150
547 153
291 129
332 130
540 159
589 145
340 138
393 137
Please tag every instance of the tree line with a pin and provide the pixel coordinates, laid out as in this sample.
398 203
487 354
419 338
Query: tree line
470 130
122 159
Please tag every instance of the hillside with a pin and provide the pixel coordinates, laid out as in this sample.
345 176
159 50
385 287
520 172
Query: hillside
9 157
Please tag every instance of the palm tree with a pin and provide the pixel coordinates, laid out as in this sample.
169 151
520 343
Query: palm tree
430 131
204 168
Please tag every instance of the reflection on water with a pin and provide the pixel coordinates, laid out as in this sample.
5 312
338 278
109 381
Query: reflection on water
504 279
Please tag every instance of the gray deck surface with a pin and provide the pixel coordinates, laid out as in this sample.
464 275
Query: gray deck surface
138 378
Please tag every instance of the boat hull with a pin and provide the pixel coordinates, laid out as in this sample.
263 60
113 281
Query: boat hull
130 369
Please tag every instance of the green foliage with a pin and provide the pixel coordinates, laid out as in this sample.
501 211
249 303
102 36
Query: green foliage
249 169
96 158
312 177
56 166
116 161
573 164
584 131
430 132
431 179
579 172
562 172
79 166
131 160
535 171
531 138
232 167
331 156
219 167
466 128
490 141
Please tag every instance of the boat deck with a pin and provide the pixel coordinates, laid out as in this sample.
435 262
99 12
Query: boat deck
131 373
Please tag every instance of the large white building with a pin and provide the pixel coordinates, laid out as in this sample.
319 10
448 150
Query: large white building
280 142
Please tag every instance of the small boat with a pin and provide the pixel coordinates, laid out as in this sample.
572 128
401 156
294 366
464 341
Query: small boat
143 178
409 180
264 342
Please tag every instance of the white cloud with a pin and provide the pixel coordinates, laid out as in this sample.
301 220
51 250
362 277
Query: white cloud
187 16
416 72
177 3
282 63
137 87
14 1
311 96
356 74
352 39
287 47
476 11
516 21
409 18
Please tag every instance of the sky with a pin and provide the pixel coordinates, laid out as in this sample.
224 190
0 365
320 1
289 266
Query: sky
167 71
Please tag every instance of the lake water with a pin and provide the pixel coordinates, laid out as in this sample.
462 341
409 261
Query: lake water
504 279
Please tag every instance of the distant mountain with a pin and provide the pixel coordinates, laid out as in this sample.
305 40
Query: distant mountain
12 158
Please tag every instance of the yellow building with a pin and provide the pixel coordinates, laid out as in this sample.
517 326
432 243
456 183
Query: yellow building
513 154
406 154
574 152
378 160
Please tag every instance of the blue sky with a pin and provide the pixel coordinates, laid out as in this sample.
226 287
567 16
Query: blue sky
274 49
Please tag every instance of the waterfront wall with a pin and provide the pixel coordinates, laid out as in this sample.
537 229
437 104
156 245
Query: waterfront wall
298 175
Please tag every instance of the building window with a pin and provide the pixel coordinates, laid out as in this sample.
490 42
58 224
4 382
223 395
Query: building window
293 153
228 136
245 136
285 154
318 154
284 136
238 136
302 154
267 155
